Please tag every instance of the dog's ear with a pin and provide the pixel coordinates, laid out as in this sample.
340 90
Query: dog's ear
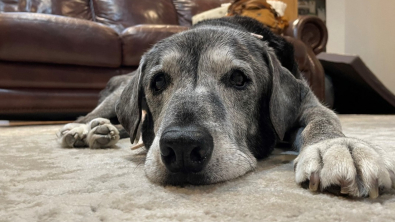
129 106
286 95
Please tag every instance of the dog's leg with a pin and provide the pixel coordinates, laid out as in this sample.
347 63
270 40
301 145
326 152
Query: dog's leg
327 158
330 161
106 109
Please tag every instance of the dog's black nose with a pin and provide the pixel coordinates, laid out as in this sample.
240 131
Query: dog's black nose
186 149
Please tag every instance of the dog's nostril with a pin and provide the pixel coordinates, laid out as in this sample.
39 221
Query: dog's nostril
166 151
169 155
197 154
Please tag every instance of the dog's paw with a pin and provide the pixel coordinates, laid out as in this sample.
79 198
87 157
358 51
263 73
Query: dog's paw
345 166
102 134
73 135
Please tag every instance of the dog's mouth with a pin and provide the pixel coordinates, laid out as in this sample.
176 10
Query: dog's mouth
185 155
183 178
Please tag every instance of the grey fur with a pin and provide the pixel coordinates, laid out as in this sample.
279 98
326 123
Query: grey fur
274 104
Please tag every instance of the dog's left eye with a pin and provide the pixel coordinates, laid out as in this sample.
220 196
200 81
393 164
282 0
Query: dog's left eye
159 82
238 79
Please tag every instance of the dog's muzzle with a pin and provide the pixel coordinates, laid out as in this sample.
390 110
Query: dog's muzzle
186 149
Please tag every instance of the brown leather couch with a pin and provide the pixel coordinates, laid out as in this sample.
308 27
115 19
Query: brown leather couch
55 56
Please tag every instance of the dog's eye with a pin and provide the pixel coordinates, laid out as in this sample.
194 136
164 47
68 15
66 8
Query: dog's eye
238 79
159 82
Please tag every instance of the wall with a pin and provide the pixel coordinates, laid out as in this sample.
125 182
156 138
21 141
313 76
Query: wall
291 12
364 28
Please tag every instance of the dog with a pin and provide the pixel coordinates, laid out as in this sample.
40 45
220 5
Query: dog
207 103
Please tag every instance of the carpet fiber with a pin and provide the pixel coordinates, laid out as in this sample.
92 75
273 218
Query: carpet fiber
39 181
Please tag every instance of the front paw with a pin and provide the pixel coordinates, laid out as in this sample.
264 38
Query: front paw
355 167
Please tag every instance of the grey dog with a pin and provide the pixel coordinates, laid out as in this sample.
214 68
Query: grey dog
211 101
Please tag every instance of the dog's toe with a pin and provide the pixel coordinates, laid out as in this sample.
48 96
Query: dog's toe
103 130
103 136
68 140
98 121
73 135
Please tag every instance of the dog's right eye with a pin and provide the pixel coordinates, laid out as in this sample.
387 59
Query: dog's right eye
159 82
238 79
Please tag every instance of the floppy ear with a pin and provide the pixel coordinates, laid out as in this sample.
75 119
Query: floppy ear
129 105
286 98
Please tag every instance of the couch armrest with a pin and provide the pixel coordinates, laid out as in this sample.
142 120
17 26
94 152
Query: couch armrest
309 66
311 30
138 39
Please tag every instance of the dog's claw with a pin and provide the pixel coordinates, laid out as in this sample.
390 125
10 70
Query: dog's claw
344 187
392 176
344 190
314 181
374 191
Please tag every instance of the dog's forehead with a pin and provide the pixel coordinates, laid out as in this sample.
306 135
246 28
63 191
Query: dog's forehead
204 48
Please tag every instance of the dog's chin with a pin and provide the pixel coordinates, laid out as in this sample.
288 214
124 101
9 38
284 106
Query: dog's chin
181 179
164 177
211 175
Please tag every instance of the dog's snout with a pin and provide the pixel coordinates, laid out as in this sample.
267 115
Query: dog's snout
186 149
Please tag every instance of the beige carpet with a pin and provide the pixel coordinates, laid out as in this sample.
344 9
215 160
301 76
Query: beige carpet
39 181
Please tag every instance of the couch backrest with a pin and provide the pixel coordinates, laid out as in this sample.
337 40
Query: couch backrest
118 14
121 14
71 8
188 8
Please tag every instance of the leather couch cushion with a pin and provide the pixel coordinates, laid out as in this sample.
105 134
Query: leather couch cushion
121 14
51 76
44 38
47 101
137 39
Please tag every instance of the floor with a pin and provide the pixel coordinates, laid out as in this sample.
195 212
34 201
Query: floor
39 181
4 123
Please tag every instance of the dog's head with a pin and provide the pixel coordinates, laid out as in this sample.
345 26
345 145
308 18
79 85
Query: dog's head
214 99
